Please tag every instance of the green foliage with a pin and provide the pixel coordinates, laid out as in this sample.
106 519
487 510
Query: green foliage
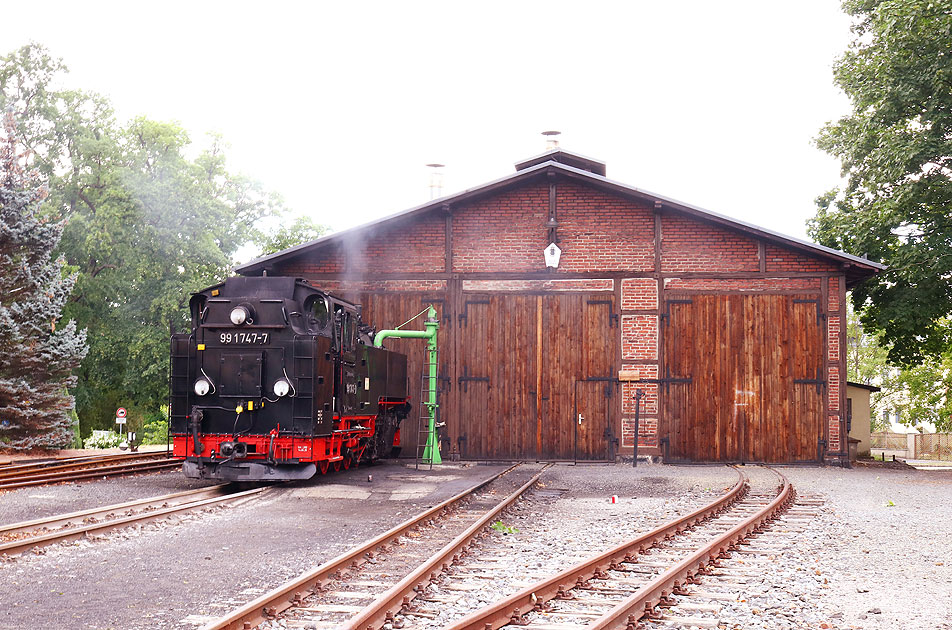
146 225
896 152
155 428
926 390
918 393
302 230
38 359
505 529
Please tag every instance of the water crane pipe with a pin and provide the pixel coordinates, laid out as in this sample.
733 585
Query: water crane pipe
431 453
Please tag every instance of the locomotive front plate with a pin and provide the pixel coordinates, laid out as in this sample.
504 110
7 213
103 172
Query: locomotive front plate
243 338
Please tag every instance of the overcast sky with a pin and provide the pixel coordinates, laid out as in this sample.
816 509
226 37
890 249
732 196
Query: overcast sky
339 106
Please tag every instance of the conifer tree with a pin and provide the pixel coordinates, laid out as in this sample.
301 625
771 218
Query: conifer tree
37 357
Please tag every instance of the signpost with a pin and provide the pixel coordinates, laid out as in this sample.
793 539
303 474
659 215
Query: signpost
121 415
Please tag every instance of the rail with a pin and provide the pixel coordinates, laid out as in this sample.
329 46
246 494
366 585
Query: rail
641 603
104 519
289 594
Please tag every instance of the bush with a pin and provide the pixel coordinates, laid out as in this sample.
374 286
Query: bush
155 428
103 439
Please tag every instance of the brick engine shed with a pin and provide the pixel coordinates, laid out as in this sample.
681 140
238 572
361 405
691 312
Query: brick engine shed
735 334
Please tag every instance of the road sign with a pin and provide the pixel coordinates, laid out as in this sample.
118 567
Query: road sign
120 420
121 412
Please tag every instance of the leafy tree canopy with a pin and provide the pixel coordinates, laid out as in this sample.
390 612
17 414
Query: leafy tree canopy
896 152
146 225
302 230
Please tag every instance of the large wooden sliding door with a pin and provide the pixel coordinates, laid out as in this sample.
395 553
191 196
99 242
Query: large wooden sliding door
528 367
742 378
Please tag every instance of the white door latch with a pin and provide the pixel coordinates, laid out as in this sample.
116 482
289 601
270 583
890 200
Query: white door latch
580 418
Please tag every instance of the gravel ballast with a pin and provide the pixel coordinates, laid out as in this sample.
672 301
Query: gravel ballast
876 556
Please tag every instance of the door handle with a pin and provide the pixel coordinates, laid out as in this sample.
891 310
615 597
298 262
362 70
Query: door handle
580 418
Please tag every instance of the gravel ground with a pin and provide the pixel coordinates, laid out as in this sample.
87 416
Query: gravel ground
25 504
876 556
891 566
180 574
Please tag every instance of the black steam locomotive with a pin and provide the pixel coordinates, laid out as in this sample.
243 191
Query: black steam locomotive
278 380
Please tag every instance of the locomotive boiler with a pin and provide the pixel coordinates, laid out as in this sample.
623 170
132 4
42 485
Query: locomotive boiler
279 380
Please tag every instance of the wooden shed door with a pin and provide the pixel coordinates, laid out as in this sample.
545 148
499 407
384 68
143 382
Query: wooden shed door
742 378
496 377
527 365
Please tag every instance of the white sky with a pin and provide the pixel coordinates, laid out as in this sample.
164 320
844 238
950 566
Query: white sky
338 106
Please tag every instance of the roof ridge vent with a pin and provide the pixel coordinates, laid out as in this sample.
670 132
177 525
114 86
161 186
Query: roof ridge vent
564 157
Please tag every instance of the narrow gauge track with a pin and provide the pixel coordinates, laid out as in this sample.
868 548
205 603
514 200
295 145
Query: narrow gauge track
633 582
24 475
401 552
18 538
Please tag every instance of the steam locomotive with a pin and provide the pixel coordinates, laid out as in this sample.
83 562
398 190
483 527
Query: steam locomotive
278 380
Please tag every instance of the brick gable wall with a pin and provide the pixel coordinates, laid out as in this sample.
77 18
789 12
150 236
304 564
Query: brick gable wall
610 238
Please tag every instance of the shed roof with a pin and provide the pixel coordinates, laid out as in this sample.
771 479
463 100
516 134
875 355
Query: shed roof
567 165
871 388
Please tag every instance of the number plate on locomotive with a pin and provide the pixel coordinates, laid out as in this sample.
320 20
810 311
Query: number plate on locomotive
243 338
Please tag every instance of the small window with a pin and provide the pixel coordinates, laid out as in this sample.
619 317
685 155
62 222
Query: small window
320 311
348 332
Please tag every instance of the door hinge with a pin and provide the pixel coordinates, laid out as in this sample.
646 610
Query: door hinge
612 315
666 315
819 381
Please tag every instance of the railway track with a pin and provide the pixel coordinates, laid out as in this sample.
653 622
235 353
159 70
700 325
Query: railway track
634 585
391 564
83 468
674 576
18 538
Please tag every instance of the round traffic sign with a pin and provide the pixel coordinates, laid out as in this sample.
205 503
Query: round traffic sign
121 412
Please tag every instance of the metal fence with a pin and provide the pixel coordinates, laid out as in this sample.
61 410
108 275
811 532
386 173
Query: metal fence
934 446
888 441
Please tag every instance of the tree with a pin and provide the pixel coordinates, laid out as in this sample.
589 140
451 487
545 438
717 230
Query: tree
303 230
917 394
38 360
896 153
146 226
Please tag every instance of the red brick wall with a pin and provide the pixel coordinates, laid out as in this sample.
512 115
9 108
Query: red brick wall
639 294
409 248
600 233
779 259
690 245
639 337
597 232
502 233
603 232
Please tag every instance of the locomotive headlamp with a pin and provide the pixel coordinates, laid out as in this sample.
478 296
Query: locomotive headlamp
202 386
281 387
239 315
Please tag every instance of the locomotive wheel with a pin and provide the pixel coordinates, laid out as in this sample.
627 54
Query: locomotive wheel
337 466
347 462
323 466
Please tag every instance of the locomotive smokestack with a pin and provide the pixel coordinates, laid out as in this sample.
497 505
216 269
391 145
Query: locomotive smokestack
551 139
436 180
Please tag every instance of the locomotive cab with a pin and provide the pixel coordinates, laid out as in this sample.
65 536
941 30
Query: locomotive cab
278 380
